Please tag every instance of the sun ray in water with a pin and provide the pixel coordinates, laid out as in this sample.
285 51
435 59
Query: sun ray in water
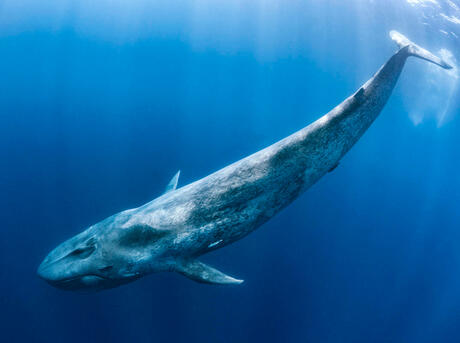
439 93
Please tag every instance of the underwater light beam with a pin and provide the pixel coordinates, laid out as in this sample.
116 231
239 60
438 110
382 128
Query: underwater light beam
436 96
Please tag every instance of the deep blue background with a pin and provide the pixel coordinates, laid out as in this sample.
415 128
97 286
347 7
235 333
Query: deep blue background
100 104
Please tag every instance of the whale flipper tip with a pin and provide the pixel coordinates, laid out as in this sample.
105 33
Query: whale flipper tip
200 272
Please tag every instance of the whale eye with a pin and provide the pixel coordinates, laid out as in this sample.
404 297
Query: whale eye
83 252
105 269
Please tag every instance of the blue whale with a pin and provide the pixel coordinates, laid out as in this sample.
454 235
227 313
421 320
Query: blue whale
170 232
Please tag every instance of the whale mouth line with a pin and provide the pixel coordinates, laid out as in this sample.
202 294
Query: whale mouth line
76 278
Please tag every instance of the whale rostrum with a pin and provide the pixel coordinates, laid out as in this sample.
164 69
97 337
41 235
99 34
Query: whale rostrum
170 232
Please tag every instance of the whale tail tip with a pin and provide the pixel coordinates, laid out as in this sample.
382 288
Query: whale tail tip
414 50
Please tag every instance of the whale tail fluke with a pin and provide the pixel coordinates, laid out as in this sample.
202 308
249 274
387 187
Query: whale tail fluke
414 50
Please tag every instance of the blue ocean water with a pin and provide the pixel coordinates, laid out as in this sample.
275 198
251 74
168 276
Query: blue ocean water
102 102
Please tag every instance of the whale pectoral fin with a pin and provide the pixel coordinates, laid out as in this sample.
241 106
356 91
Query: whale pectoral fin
172 185
203 273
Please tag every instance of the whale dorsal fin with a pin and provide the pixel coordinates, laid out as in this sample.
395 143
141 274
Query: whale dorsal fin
172 185
200 272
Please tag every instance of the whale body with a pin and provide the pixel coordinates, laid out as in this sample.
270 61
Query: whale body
172 231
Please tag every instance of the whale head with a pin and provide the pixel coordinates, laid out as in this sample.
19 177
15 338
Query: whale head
115 251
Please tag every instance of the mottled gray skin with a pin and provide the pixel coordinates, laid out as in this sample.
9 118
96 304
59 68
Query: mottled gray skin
170 232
